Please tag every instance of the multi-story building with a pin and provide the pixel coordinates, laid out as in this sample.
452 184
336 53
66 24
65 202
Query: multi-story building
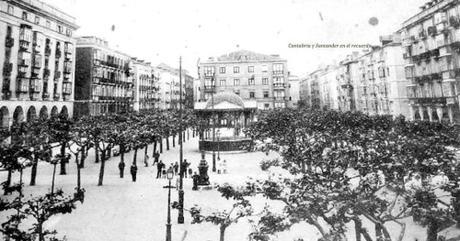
431 41
103 79
170 87
37 61
305 96
346 76
381 87
294 91
328 87
146 85
250 75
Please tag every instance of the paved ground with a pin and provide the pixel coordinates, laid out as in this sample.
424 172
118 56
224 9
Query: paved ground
125 211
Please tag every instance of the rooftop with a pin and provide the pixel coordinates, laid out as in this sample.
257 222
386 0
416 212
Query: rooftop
244 56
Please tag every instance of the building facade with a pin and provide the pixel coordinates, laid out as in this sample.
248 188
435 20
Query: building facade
169 94
294 91
146 85
103 79
37 61
250 75
431 41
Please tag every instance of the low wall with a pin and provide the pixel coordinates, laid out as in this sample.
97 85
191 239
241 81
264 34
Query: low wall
225 145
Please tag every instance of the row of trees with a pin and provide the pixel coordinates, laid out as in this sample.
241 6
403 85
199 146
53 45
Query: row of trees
351 169
26 144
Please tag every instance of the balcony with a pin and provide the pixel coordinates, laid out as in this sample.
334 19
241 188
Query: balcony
57 75
35 86
67 69
56 96
279 98
430 100
58 53
210 88
24 62
46 95
279 85
37 65
9 42
23 85
6 84
46 73
67 91
47 51
278 72
23 46
7 69
34 96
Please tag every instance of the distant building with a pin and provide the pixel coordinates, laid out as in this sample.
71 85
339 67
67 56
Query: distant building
372 82
431 42
170 88
146 85
250 75
294 91
104 79
37 61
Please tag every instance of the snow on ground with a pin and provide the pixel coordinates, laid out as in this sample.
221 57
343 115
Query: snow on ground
125 211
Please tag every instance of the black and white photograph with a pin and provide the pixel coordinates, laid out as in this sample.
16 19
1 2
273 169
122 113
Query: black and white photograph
230 120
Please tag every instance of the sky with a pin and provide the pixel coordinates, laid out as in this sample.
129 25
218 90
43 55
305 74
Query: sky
162 30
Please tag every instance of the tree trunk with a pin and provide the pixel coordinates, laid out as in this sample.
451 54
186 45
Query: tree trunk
8 182
154 148
63 160
365 234
161 144
41 236
135 157
358 227
378 232
54 176
122 159
188 134
145 155
193 133
167 143
101 170
174 140
222 233
96 149
33 173
78 171
432 231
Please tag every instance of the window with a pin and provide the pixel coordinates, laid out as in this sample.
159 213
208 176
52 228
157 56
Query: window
24 16
223 82
250 69
265 81
208 71
37 20
251 81
237 92
10 9
252 95
266 95
222 70
68 32
267 106
264 68
60 29
236 82
236 69
48 24
278 68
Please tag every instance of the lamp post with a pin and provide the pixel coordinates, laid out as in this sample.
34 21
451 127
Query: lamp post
213 123
169 175
218 144
180 217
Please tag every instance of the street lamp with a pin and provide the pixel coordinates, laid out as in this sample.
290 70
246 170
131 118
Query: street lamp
218 144
169 175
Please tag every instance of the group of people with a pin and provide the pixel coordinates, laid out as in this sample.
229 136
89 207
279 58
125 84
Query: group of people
175 167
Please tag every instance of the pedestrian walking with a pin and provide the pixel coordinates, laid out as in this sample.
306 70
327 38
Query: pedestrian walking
190 171
219 166
121 167
195 181
224 167
176 168
146 160
133 172
156 157
160 166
